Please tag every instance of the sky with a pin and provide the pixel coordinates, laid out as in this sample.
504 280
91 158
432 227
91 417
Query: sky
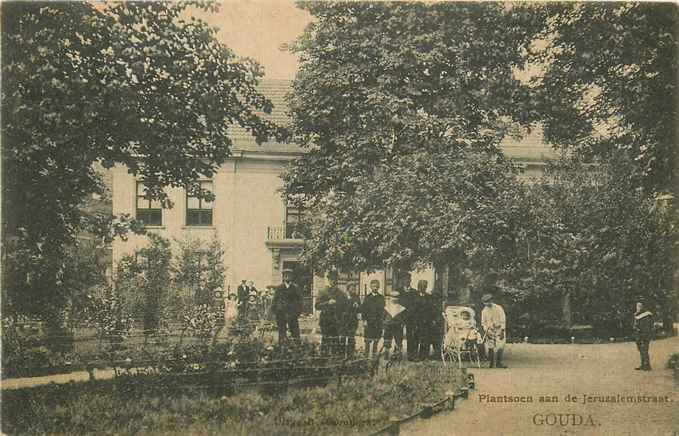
257 29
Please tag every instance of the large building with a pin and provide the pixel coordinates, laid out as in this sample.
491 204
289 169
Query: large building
249 216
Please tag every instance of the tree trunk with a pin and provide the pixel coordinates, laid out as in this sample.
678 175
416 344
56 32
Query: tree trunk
566 312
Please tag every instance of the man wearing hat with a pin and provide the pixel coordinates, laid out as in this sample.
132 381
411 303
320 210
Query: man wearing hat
243 299
372 312
287 306
643 332
350 319
331 303
494 324
394 321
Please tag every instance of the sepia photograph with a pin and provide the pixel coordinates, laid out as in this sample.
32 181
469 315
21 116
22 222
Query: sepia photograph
279 217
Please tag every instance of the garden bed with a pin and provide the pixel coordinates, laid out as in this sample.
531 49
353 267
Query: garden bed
137 406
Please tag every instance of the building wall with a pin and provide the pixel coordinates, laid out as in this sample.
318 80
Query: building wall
246 203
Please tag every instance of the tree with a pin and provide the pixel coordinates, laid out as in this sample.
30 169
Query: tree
128 83
589 243
144 279
607 90
402 113
609 82
429 208
199 270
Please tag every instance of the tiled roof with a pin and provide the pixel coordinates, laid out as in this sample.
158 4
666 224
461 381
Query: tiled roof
529 148
276 91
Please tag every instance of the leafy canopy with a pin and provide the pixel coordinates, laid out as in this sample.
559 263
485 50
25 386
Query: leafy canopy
402 107
130 83
608 83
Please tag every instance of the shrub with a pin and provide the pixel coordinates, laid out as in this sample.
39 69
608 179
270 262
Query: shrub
144 279
108 313
202 321
673 362
199 270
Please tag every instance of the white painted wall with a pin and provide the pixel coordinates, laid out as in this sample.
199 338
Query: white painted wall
246 202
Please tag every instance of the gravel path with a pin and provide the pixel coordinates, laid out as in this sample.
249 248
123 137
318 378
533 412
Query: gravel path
560 370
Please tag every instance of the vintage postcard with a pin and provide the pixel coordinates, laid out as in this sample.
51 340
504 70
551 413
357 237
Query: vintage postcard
267 217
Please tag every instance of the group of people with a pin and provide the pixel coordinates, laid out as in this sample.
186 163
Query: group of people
415 311
245 290
339 318
414 314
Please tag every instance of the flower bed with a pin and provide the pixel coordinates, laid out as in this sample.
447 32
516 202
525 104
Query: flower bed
138 406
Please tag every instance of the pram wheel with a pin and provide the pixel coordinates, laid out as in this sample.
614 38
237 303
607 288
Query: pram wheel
475 356
394 359
451 357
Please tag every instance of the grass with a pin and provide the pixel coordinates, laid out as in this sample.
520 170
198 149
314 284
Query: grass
359 405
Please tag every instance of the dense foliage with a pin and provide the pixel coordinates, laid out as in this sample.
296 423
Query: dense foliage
144 278
148 297
199 269
364 405
402 114
128 83
392 101
609 82
589 244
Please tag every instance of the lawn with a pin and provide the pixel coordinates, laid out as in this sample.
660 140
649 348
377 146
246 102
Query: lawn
357 406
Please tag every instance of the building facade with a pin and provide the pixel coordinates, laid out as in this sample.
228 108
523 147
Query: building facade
249 216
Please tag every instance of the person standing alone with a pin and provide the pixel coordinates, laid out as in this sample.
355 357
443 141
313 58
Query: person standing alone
643 331
494 325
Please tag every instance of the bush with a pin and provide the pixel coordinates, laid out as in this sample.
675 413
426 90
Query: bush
673 362
202 321
107 312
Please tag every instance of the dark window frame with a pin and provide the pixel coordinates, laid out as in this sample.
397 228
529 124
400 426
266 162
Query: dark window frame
295 226
200 217
149 216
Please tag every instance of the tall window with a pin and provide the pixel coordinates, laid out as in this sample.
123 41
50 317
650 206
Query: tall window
199 210
149 212
293 220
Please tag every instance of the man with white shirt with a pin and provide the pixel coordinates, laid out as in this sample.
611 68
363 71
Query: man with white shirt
494 325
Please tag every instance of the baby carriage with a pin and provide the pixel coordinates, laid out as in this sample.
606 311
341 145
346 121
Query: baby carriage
462 339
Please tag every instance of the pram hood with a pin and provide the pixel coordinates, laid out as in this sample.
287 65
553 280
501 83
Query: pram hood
454 317
459 329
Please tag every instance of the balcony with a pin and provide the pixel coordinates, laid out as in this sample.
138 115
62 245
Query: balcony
285 235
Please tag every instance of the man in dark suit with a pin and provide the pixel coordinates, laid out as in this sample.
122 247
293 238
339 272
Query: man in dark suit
643 332
350 320
430 332
243 299
331 303
287 306
413 301
372 313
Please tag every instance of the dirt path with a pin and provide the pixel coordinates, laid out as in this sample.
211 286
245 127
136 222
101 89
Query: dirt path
560 370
